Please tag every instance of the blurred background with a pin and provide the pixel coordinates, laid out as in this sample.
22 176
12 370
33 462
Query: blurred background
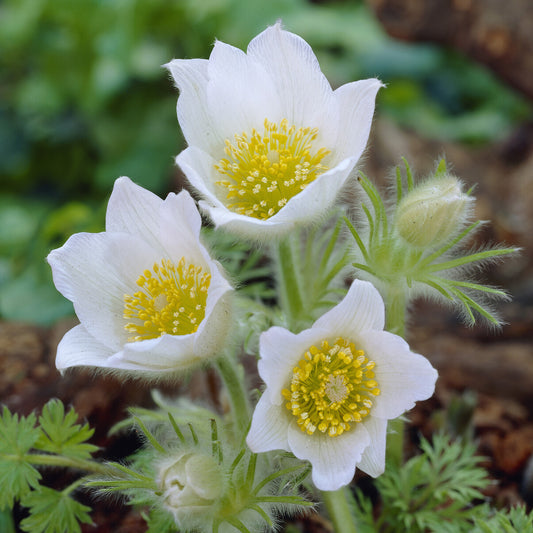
84 100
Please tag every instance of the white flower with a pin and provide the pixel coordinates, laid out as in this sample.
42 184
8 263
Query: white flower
331 389
147 294
190 484
270 143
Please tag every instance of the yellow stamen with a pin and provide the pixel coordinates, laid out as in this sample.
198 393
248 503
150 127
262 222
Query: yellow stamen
264 171
331 388
172 300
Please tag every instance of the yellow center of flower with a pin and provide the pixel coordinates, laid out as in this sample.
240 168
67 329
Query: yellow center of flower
171 300
331 387
265 170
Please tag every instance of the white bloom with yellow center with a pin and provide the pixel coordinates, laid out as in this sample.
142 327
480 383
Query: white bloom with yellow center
331 389
270 143
147 294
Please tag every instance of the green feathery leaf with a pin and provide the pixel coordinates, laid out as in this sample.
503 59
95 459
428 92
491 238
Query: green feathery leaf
53 512
62 435
17 437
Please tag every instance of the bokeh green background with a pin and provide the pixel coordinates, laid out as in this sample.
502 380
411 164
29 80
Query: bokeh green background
84 100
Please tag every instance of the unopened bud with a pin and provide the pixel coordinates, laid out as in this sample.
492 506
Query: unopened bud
432 212
190 484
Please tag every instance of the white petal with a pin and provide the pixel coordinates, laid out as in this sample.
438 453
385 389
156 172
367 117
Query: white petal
240 94
269 427
333 459
373 460
217 322
194 118
360 310
133 209
79 348
280 351
167 353
317 198
198 166
356 102
180 224
310 204
303 91
95 271
403 377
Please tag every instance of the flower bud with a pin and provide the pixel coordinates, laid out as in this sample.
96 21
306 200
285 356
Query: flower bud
432 212
190 484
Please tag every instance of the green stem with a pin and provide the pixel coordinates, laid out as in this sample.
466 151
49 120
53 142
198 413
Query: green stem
339 511
289 287
235 387
68 462
395 311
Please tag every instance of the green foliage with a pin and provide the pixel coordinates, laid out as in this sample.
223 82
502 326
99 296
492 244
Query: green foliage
17 476
435 491
61 435
444 271
159 522
52 511
245 264
22 441
514 520
308 278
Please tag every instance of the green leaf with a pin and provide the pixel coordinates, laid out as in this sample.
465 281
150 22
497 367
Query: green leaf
17 476
17 435
60 434
53 512
435 491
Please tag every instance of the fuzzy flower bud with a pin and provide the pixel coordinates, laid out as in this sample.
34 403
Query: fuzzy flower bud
190 484
432 212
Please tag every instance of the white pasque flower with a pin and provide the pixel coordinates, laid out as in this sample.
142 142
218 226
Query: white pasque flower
147 294
331 389
270 144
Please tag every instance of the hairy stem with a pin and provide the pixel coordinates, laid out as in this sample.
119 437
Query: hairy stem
339 511
69 462
290 295
235 387
395 311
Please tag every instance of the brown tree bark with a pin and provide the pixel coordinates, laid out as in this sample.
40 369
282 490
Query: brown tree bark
497 33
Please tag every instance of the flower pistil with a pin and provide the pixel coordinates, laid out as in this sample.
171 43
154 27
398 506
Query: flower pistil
330 387
264 171
172 300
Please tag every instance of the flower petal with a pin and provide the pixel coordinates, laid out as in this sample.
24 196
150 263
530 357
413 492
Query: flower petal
216 324
179 213
164 354
240 94
280 352
356 102
269 427
403 377
308 205
333 458
191 78
304 93
360 310
79 348
95 271
132 209
198 166
373 459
